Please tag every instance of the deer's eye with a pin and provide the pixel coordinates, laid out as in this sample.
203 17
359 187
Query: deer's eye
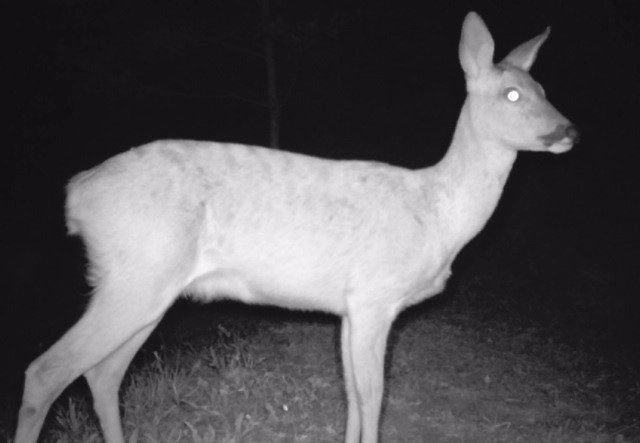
512 94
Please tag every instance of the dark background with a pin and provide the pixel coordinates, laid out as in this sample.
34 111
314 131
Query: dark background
371 80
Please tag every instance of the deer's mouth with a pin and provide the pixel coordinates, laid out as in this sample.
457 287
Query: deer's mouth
561 139
554 136
559 148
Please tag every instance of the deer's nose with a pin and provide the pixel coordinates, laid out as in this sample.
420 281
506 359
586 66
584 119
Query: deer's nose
573 133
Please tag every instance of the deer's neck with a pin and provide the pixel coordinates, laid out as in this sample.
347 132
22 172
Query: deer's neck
469 179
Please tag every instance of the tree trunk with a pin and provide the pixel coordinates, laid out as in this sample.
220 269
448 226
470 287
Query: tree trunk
272 90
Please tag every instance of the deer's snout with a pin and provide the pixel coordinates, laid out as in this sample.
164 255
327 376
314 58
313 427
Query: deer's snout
562 132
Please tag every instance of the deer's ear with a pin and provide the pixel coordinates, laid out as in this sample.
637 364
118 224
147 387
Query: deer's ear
476 46
524 55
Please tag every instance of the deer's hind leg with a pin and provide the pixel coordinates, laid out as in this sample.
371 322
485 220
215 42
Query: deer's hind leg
128 302
105 379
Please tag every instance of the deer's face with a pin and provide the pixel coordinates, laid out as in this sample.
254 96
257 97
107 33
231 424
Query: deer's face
509 106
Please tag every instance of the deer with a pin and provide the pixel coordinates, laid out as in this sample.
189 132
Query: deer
359 239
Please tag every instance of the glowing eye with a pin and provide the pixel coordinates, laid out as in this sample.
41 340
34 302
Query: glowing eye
512 94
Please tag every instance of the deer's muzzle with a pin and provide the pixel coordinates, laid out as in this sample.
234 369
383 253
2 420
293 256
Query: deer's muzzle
562 132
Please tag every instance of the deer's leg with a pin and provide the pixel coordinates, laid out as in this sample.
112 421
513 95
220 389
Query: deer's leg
104 380
118 311
352 433
369 328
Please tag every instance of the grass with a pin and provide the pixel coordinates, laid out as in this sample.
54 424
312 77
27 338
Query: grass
213 375
241 383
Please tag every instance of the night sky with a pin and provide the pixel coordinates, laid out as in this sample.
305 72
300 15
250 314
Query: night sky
369 80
